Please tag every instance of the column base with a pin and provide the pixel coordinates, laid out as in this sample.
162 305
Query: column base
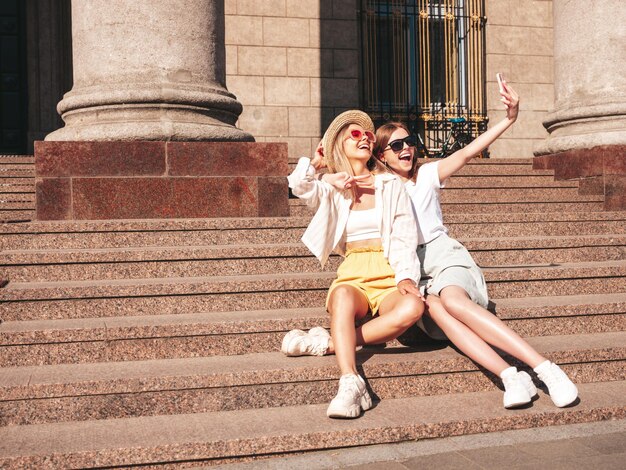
158 180
602 170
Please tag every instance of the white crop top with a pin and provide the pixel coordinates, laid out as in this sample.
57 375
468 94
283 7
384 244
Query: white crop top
362 225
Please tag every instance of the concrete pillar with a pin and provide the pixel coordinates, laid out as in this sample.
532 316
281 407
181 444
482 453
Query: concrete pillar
589 78
149 70
588 125
150 127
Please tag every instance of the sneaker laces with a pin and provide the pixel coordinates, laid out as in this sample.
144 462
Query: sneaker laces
554 377
348 385
315 345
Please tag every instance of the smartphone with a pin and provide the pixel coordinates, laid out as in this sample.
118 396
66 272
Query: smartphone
499 78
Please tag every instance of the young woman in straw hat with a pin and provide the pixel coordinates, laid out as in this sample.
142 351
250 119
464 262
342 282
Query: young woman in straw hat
365 216
457 293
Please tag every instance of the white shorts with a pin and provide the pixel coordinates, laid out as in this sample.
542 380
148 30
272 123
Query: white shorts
446 262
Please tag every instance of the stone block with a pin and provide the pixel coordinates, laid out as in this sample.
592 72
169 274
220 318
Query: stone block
346 63
303 9
531 13
342 92
230 7
499 63
339 34
304 62
243 30
203 179
53 199
498 12
615 192
247 89
532 69
215 197
265 120
519 40
591 186
345 9
286 32
315 34
272 190
231 60
99 158
226 159
297 146
287 91
264 8
257 60
304 122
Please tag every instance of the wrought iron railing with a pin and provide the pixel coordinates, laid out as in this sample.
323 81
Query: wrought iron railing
423 63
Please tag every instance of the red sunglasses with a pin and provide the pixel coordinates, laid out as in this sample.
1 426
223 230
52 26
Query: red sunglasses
356 134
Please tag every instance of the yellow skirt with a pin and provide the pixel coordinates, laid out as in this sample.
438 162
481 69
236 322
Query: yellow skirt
367 270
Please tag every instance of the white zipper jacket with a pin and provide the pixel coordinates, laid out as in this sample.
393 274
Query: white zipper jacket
326 232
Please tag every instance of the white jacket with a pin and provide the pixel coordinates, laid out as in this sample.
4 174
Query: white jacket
326 232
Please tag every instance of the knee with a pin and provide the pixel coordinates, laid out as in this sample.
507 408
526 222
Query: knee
409 311
452 301
342 301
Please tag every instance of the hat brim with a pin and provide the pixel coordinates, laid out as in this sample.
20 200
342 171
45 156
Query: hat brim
353 116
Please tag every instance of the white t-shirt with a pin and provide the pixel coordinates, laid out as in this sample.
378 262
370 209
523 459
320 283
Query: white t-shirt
424 195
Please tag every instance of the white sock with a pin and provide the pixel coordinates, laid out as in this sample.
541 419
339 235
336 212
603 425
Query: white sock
541 367
508 372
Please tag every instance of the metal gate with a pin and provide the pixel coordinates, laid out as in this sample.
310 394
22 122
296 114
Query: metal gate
423 63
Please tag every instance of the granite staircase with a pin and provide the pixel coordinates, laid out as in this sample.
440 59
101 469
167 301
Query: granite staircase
17 188
155 343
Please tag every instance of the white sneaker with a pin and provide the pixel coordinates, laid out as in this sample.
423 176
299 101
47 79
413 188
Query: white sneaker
561 389
515 390
351 398
299 343
528 383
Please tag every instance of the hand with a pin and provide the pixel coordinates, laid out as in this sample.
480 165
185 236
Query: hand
318 161
510 98
407 286
342 180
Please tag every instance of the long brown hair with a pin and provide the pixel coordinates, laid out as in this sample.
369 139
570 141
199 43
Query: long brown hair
383 134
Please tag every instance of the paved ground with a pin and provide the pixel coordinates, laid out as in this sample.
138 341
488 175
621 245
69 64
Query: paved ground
591 446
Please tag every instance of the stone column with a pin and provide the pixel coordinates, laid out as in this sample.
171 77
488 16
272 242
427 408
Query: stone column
149 70
588 125
150 127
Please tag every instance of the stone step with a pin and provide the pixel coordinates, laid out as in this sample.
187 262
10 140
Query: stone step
75 392
39 342
222 437
507 181
197 232
132 297
189 261
16 215
17 159
299 209
8 188
17 169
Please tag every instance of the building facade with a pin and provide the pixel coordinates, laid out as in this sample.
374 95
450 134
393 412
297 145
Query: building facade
294 64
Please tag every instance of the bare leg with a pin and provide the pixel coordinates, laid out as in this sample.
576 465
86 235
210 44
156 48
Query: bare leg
464 338
487 326
396 314
345 304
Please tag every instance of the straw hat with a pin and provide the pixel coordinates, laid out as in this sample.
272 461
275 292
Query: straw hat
353 116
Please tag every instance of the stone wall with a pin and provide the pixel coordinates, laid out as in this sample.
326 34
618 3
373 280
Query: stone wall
290 86
293 67
520 45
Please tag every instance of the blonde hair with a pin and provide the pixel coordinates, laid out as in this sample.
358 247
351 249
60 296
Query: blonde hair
338 160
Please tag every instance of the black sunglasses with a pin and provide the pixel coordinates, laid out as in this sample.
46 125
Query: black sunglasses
398 144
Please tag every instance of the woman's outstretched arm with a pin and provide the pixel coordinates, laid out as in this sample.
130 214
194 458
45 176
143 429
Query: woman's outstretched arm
450 165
